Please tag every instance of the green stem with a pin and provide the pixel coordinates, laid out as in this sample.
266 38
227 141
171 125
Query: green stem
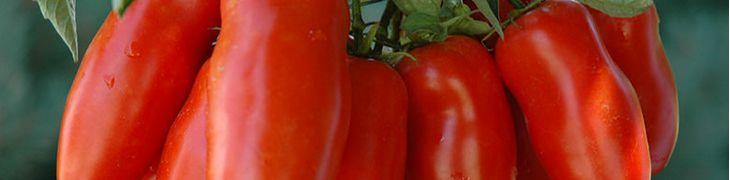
396 29
514 15
358 24
382 34
371 2
367 42
393 44
517 4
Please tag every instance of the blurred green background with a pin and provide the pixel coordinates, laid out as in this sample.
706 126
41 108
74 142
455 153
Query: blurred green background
36 71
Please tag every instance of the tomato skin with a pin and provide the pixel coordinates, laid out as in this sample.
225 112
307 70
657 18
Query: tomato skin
459 124
583 116
132 82
376 142
279 90
184 154
528 164
636 47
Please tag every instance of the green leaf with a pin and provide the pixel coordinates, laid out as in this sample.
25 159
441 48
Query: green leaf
462 23
619 8
486 10
422 27
62 14
494 4
430 7
119 6
462 10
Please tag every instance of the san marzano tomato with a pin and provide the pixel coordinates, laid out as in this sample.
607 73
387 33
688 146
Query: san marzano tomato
635 46
279 90
376 142
132 82
583 117
459 121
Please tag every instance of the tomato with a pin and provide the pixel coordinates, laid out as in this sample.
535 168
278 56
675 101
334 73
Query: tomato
132 82
279 90
635 46
528 165
184 154
582 114
376 142
459 121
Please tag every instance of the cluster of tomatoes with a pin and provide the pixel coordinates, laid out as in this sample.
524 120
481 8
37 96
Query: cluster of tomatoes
565 91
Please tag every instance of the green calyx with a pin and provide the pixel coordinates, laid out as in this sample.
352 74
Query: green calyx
619 8
423 25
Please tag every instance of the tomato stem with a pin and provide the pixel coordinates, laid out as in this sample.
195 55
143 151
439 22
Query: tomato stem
382 34
517 4
358 25
513 16
396 29
364 48
371 2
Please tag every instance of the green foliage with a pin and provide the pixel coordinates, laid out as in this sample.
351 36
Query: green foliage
120 6
62 15
619 8
453 17
486 10
423 27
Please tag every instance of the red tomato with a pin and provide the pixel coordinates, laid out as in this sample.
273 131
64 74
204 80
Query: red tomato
635 46
184 154
528 164
582 115
376 144
132 82
459 124
279 90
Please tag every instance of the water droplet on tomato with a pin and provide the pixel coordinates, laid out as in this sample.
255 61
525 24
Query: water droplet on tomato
316 35
132 50
109 81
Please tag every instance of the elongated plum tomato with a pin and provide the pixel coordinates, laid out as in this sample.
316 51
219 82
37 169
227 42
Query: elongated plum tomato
459 121
635 46
279 90
184 154
583 117
132 82
376 142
